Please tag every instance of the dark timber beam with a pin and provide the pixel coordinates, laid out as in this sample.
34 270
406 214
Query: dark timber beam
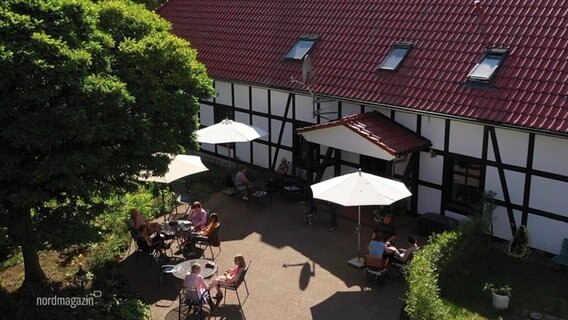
501 171
324 164
528 178
275 159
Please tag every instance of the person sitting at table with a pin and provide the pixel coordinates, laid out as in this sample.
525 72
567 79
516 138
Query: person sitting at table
387 229
406 255
242 182
203 234
137 219
283 167
197 216
231 276
147 240
377 246
194 280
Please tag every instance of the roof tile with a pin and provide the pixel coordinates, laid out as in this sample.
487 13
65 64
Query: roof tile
246 41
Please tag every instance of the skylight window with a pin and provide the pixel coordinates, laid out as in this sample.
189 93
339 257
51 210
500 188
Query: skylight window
396 56
301 48
487 67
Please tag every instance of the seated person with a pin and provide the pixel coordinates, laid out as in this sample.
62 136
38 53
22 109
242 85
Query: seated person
231 276
406 255
197 216
194 280
377 246
203 234
148 241
242 182
137 219
387 229
283 167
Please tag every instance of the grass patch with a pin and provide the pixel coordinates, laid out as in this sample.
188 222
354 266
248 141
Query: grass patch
537 286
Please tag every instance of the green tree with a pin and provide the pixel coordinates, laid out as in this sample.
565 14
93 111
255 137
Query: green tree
89 92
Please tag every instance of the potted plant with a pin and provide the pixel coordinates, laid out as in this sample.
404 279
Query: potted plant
501 295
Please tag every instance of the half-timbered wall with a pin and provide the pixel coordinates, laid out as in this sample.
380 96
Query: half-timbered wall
529 172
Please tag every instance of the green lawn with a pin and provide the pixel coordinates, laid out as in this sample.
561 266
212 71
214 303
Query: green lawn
537 286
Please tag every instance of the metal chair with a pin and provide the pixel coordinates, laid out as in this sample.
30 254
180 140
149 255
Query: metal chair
212 241
191 298
376 268
235 286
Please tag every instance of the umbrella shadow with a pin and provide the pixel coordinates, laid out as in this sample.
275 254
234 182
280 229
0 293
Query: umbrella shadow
308 271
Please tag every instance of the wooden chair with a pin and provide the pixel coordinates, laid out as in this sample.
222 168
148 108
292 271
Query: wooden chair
562 258
235 286
212 241
376 267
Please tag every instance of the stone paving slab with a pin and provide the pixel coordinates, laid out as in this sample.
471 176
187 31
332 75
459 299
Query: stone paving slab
297 271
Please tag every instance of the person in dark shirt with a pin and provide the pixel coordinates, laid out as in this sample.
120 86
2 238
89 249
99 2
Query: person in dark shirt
387 229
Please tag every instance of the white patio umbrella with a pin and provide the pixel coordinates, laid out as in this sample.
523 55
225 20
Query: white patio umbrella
181 166
229 131
360 189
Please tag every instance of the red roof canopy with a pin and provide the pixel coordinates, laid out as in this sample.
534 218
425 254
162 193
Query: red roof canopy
246 40
379 130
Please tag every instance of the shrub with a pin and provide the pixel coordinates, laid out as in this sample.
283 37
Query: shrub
423 300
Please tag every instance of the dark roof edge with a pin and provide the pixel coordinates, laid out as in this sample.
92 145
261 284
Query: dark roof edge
555 134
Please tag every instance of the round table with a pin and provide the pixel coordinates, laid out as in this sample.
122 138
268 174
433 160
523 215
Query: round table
183 268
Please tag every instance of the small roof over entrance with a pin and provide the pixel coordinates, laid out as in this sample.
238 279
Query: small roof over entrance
370 134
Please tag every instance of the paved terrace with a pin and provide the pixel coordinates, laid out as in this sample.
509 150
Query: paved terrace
316 284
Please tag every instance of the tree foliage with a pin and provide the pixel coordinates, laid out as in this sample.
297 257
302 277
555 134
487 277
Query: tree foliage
89 92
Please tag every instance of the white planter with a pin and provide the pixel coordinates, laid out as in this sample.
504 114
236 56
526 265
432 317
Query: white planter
500 302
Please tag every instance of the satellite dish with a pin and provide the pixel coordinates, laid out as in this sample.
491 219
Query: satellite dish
307 73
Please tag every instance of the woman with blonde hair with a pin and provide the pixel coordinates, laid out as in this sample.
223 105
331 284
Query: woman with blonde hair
231 276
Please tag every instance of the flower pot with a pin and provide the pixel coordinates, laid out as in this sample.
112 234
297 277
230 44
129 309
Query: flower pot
500 302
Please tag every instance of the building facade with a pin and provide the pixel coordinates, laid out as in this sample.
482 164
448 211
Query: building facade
483 86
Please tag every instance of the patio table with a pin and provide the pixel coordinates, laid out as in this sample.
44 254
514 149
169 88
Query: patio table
183 268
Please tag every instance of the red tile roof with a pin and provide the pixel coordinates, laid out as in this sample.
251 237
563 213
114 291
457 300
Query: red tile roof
379 130
245 40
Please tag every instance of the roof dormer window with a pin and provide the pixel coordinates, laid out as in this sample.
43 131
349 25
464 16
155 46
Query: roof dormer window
488 65
396 56
301 48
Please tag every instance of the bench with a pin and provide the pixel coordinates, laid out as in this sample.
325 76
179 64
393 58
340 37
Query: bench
429 223
562 258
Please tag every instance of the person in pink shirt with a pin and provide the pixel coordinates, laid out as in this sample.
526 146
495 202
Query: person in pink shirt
197 216
194 280
230 276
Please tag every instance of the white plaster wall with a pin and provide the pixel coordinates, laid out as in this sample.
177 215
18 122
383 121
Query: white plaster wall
286 136
433 129
304 109
223 93
241 96
350 156
242 117
242 151
515 184
328 173
466 139
431 169
260 100
501 224
400 166
262 123
385 112
278 101
513 147
206 114
551 154
546 234
208 147
349 108
329 106
260 157
406 119
347 169
549 195
455 215
429 199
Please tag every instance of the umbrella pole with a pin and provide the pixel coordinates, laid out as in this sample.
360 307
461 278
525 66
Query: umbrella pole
359 233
